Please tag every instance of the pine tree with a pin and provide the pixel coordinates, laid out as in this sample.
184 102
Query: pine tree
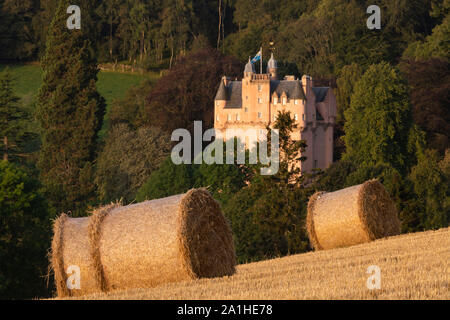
10 115
70 113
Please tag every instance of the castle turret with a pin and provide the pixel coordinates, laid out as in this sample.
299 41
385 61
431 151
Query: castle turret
249 69
272 68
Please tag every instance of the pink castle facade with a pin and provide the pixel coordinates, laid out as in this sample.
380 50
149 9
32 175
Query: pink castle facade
255 101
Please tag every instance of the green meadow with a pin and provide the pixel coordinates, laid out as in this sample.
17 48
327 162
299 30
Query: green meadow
111 85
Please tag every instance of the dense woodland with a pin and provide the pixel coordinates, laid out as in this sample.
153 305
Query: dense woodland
393 124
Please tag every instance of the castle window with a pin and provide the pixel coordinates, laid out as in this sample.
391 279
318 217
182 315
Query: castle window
296 117
246 97
303 117
296 101
284 101
217 117
259 115
259 88
275 100
315 163
238 117
229 117
246 109
259 100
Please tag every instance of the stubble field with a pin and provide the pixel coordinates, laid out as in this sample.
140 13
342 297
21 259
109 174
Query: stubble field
413 266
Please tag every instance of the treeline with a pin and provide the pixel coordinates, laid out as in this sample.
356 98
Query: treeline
149 32
319 37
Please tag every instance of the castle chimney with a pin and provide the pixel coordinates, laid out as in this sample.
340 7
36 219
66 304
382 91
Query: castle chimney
225 80
307 83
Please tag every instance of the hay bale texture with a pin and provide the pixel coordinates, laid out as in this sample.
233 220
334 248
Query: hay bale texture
143 245
351 216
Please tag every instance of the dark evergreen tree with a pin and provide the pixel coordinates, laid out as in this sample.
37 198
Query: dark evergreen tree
10 115
24 235
70 113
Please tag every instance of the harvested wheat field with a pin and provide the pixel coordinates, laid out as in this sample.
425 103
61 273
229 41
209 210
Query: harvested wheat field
413 266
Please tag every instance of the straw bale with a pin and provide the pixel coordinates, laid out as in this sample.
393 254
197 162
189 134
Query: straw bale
351 216
142 245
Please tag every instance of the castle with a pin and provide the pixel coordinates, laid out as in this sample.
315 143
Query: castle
254 102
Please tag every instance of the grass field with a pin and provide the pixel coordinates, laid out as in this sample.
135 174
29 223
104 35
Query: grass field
111 85
413 266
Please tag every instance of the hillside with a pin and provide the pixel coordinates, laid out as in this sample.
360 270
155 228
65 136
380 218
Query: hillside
111 85
413 266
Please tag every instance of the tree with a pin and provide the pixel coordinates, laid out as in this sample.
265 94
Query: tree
187 92
429 82
431 188
335 176
170 179
10 114
349 75
436 44
379 120
19 40
329 37
131 109
346 81
70 113
24 235
222 180
128 159
267 217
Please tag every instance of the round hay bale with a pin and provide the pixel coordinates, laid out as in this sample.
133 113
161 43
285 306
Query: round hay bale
351 216
143 245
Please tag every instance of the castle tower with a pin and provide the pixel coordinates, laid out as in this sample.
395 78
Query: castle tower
272 68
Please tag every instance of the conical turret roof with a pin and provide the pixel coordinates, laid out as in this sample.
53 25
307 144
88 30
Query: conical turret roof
272 64
221 92
249 67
